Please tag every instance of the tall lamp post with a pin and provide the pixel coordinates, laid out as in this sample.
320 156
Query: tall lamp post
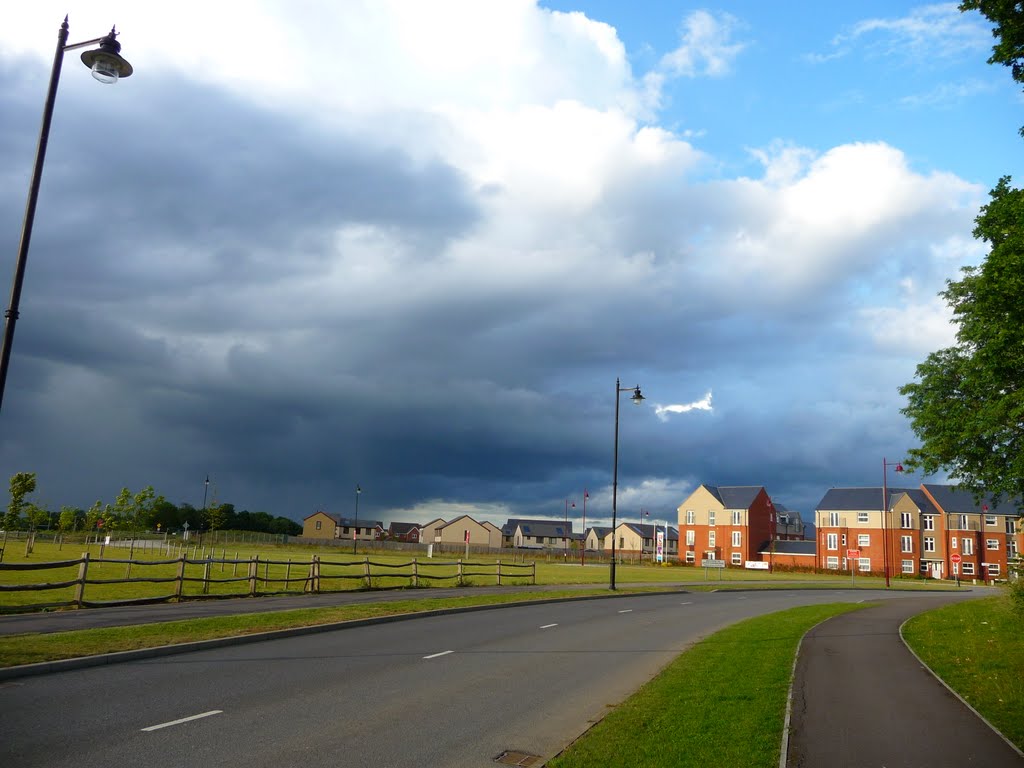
107 66
637 399
355 530
583 549
898 467
565 530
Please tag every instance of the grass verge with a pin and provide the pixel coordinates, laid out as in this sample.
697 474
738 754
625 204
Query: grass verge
674 721
31 648
975 647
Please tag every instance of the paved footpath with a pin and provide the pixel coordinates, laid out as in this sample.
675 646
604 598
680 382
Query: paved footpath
861 698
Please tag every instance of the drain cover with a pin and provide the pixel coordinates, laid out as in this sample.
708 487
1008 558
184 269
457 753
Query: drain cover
511 757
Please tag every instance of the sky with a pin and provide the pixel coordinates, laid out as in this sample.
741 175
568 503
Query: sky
414 246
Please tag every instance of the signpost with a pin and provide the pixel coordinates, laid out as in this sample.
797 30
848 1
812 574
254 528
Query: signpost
955 560
712 564
851 555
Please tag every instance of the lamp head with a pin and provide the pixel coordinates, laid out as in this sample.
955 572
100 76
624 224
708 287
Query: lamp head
899 467
637 398
106 62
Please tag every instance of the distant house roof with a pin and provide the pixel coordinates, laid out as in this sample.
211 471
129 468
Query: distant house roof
401 529
546 528
950 498
790 547
599 531
514 522
362 523
735 496
321 512
649 530
859 499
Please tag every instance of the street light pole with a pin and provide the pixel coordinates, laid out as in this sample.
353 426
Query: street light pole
565 531
355 530
107 66
637 399
885 514
583 549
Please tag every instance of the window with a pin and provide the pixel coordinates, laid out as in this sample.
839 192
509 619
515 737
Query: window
1011 526
832 562
690 538
990 519
862 517
689 517
689 557
906 520
962 520
929 543
993 569
863 539
833 519
833 542
711 517
1011 549
737 539
928 522
864 564
711 538
622 542
968 546
952 543
991 543
907 566
844 539
906 543
968 568
319 523
737 558
737 518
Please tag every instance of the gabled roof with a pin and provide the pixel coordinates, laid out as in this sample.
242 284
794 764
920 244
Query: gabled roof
857 499
952 499
514 522
649 530
599 530
545 528
433 522
920 498
400 529
461 518
735 496
321 512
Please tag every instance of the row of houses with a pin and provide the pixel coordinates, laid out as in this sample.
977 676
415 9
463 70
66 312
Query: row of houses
933 530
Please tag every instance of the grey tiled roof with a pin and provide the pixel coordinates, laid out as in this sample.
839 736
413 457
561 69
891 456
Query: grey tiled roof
735 496
950 498
847 499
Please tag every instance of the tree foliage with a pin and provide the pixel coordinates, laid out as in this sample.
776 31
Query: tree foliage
21 485
967 403
1008 17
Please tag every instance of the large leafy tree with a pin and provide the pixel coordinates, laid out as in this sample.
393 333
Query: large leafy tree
1008 18
967 403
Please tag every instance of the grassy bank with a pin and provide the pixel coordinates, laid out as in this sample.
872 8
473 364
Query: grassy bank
976 648
674 721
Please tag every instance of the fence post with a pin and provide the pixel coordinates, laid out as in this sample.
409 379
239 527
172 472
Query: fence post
534 564
234 566
316 574
288 575
206 575
459 579
83 569
181 577
415 573
254 565
366 571
499 573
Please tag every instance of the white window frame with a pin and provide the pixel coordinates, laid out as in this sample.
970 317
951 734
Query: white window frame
1011 526
906 543
737 538
967 568
992 544
843 537
928 522
993 569
862 517
832 563
711 540
691 538
906 520
952 543
990 520
737 558
711 517
690 557
864 564
833 520
689 517
832 540
863 539
968 547
319 524
929 543
737 517
962 522
907 566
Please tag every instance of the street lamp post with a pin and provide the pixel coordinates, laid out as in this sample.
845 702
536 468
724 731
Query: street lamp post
565 530
583 549
355 530
898 467
107 66
637 399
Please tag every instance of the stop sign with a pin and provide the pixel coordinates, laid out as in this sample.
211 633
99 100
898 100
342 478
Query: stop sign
954 558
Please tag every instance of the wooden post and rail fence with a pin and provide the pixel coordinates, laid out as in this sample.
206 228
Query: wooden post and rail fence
192 578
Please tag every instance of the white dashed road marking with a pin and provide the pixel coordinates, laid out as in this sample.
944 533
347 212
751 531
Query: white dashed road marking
183 720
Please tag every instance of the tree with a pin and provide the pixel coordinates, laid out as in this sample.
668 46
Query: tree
37 516
216 515
1008 16
21 485
69 517
967 403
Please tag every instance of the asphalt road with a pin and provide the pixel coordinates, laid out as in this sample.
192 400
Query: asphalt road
449 691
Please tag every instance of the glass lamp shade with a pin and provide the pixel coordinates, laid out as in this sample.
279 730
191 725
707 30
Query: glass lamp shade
106 62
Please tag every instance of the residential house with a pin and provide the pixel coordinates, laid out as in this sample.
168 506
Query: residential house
634 539
788 525
407 532
429 531
596 539
359 530
540 534
319 525
731 523
850 524
466 530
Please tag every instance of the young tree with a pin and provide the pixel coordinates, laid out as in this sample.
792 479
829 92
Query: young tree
967 403
69 517
21 485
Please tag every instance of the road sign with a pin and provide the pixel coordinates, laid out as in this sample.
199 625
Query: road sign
954 558
712 563
852 553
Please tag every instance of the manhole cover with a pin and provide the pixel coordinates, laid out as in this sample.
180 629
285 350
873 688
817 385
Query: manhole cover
512 757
